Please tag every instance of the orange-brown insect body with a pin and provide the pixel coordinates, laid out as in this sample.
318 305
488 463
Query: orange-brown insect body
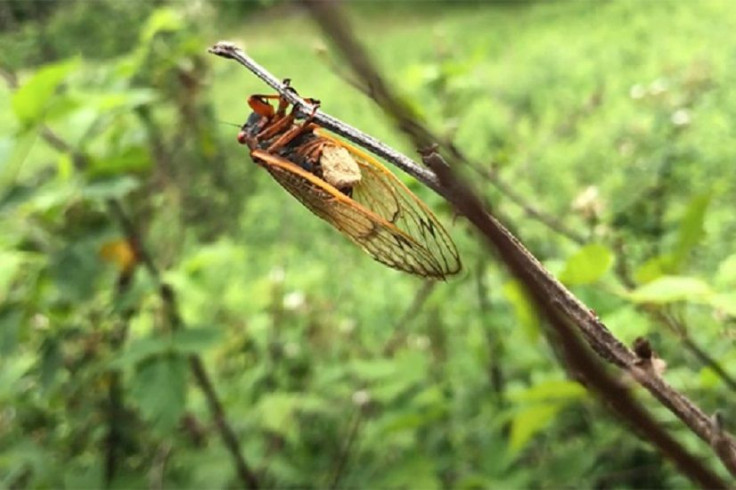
349 189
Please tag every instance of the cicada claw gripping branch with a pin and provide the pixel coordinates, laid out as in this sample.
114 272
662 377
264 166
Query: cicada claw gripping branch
303 107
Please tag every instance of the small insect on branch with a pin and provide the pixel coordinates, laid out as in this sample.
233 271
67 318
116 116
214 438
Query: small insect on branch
426 176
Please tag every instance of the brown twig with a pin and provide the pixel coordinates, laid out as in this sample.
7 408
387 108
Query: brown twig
420 297
115 400
247 477
158 467
342 460
550 294
495 342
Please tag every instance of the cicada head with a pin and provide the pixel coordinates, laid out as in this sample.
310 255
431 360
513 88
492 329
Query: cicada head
251 127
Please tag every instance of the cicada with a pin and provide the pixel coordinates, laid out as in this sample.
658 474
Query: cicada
347 188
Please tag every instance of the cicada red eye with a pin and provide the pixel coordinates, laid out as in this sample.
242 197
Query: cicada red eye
242 137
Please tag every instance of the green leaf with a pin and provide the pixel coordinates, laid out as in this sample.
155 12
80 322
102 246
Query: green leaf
550 390
414 471
691 229
32 99
10 326
50 362
10 264
529 421
110 188
588 265
726 273
10 166
724 302
276 412
373 369
652 269
668 289
194 340
51 195
140 350
14 369
74 270
164 19
130 159
128 99
523 308
91 475
61 105
159 387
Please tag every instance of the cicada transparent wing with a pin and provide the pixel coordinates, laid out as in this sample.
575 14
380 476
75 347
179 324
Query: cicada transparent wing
364 221
384 194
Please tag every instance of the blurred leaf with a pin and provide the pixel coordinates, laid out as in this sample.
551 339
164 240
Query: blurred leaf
10 263
390 378
51 195
691 229
410 420
10 321
669 289
545 399
529 421
550 390
652 269
88 476
110 188
128 99
14 369
415 471
159 388
140 350
588 265
163 19
709 379
29 455
61 105
50 362
726 274
32 99
10 165
74 270
725 302
194 340
133 158
373 369
276 412
523 308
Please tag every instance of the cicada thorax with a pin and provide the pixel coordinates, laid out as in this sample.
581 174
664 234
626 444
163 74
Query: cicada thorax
324 159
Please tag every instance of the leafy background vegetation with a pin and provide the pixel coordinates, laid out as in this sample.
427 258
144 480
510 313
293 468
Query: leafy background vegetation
614 118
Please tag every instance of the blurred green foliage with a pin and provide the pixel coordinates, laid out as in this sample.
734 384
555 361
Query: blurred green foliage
333 370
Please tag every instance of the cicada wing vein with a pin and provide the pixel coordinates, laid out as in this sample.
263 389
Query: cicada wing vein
383 240
382 192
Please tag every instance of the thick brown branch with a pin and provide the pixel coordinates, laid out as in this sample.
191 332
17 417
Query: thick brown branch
576 354
229 439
